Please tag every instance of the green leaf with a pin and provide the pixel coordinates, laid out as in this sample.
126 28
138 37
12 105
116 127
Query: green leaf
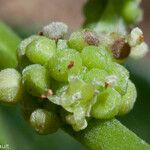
93 10
108 13
8 45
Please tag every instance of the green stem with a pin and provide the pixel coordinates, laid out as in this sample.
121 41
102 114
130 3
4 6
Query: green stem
108 135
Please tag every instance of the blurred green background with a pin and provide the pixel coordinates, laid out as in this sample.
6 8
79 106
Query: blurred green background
26 17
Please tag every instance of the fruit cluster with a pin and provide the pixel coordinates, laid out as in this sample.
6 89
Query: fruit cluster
64 78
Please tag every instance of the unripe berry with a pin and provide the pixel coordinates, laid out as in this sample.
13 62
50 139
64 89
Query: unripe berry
41 50
95 57
44 122
35 80
64 63
80 39
10 86
107 104
128 99
23 61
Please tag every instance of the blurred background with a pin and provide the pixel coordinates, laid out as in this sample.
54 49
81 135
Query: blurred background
26 17
32 14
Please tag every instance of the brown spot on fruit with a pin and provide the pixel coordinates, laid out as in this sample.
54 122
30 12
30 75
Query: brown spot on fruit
71 64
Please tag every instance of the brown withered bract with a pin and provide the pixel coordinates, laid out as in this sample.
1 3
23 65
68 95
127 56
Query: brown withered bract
141 38
91 38
47 93
106 85
120 49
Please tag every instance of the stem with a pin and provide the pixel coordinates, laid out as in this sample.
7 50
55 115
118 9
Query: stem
108 135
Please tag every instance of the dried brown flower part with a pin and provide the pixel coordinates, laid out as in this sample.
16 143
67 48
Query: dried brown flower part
40 33
91 38
141 38
120 49
47 93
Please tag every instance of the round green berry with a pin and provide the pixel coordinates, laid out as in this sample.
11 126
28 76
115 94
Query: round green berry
76 41
80 39
77 94
95 57
23 61
79 91
107 104
41 50
24 43
10 86
96 77
35 80
44 122
122 76
128 99
64 63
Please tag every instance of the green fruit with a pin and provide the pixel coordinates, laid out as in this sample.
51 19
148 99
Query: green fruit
95 57
122 76
44 122
96 77
76 41
80 39
35 80
128 99
41 50
78 92
23 61
10 86
65 63
107 104
24 43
